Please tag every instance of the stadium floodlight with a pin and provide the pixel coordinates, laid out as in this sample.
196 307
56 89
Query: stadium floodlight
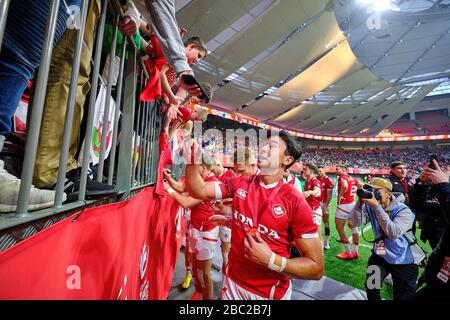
379 5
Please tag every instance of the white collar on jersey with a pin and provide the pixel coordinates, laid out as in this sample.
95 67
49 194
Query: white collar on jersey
271 185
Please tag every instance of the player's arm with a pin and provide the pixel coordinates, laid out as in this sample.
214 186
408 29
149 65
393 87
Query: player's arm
184 201
176 185
197 187
342 191
329 195
309 266
316 192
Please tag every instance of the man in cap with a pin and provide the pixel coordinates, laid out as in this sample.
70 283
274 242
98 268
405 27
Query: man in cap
391 221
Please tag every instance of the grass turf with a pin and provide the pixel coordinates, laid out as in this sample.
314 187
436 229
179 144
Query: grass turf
353 272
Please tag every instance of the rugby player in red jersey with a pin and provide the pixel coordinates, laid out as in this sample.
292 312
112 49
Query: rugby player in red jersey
268 214
246 166
347 187
221 174
203 235
291 179
312 193
326 193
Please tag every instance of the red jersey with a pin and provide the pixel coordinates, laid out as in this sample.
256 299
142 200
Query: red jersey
314 202
226 175
280 213
165 160
349 195
201 213
325 184
154 65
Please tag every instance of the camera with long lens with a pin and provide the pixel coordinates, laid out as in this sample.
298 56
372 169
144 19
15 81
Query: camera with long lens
367 192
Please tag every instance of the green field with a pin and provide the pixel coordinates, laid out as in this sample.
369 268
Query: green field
353 272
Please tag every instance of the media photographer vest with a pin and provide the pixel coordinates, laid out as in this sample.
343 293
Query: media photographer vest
396 251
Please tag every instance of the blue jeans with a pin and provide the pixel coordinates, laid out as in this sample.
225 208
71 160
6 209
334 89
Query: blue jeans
21 52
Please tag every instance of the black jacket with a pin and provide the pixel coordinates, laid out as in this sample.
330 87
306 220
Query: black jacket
397 187
421 204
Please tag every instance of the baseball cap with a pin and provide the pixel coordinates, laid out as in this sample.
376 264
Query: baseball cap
378 183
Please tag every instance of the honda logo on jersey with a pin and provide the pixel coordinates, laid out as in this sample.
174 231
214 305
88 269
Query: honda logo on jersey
241 193
278 210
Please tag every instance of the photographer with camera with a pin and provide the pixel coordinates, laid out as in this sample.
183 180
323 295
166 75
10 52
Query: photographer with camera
433 181
391 222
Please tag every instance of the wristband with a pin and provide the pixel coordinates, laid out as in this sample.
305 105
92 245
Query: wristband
272 266
170 191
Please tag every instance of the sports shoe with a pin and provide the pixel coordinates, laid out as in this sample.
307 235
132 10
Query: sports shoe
345 256
187 281
355 255
94 189
326 246
9 194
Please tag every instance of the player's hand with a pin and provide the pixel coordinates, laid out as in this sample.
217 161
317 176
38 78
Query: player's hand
306 194
372 202
167 174
221 220
193 90
166 186
436 176
224 210
256 249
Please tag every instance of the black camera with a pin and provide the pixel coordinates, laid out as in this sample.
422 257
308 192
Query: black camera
367 193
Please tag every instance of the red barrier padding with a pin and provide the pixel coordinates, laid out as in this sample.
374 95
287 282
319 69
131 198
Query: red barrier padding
126 250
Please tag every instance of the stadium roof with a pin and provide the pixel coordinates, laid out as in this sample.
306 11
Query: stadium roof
329 67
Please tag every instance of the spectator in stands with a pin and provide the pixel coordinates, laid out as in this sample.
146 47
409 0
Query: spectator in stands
19 58
437 271
399 179
49 147
391 220
164 22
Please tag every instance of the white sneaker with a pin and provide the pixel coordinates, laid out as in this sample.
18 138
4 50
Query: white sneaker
326 246
9 194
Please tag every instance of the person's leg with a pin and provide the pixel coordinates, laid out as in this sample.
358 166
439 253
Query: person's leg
405 281
318 221
326 222
187 256
198 293
21 52
225 238
375 267
13 81
340 227
48 152
204 275
355 239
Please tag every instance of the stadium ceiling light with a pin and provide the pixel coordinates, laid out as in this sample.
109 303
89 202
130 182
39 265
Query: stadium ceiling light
379 5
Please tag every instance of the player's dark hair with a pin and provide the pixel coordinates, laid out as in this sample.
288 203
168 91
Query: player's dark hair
293 147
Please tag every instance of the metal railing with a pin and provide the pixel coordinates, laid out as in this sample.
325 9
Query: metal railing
137 158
